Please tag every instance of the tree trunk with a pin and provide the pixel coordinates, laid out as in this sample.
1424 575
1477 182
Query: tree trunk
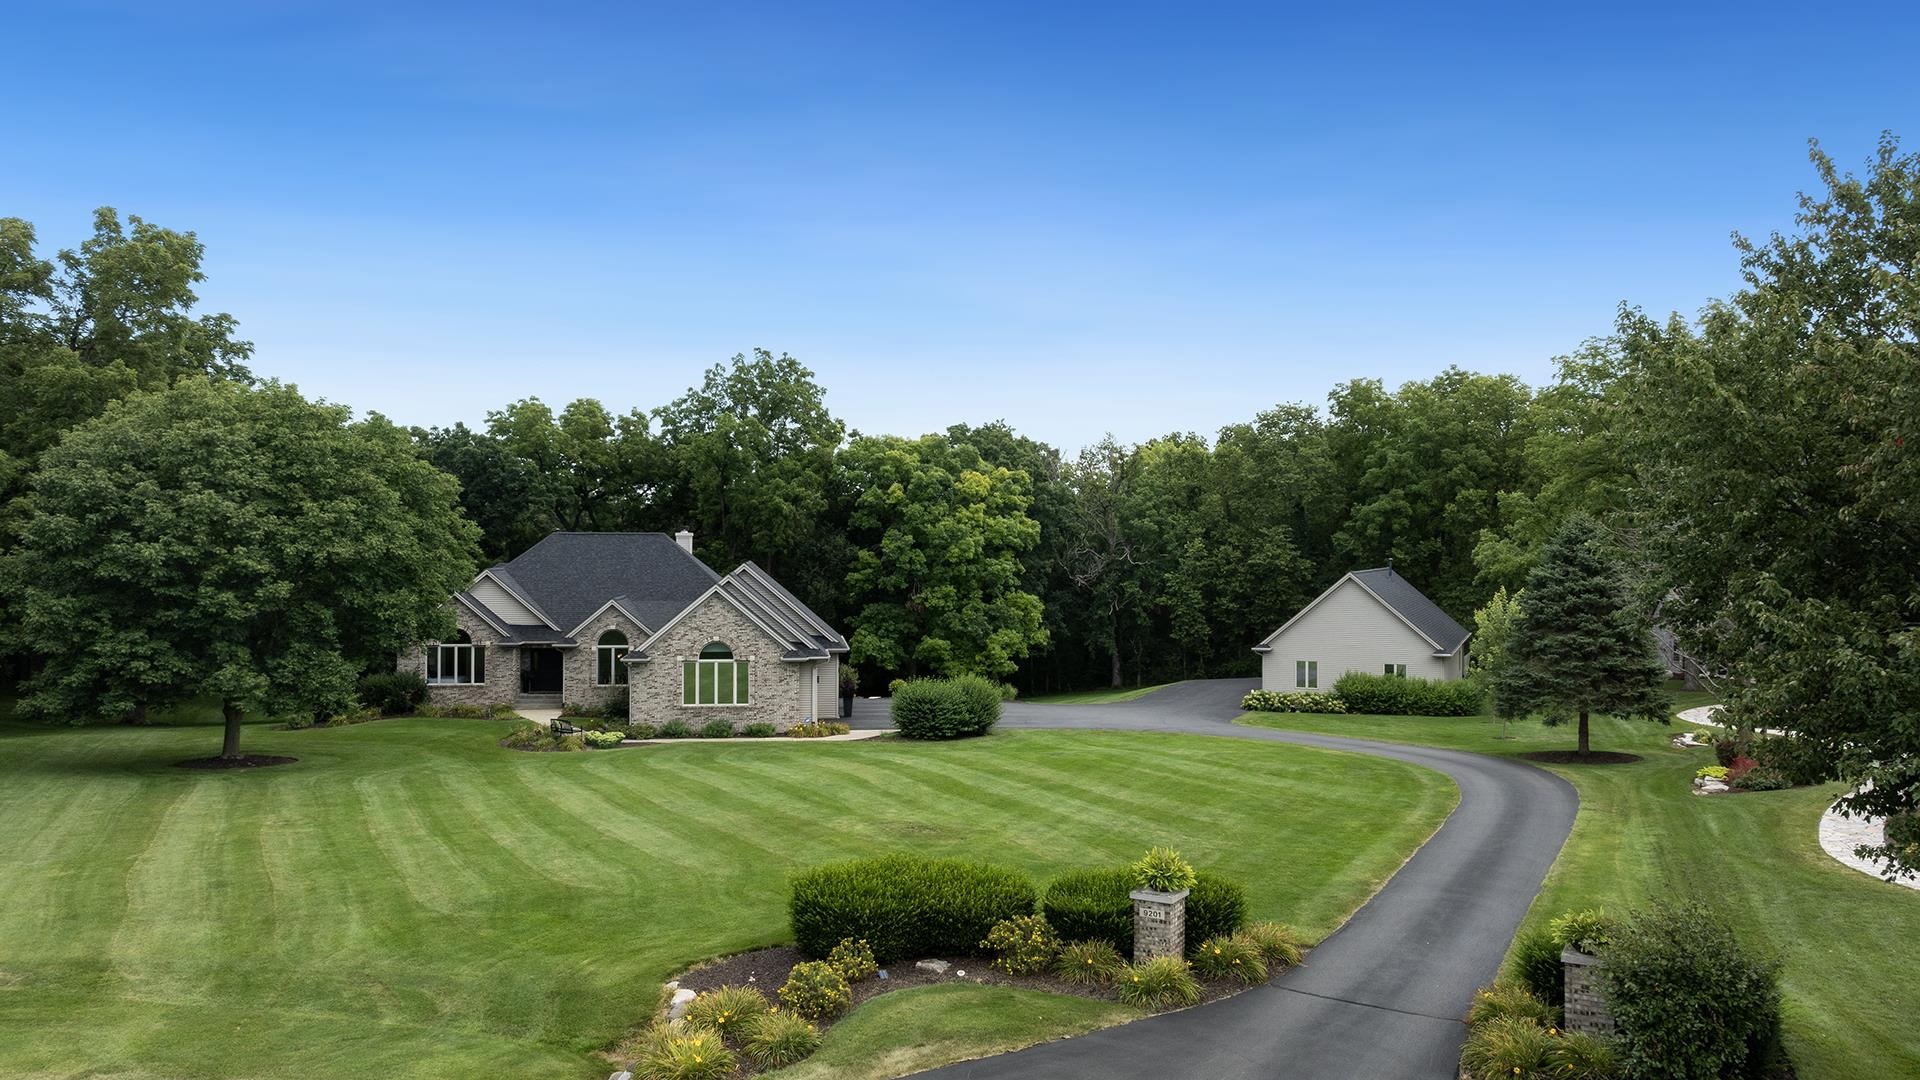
1583 733
136 716
1115 683
230 747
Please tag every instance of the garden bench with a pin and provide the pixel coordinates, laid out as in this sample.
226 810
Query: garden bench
561 727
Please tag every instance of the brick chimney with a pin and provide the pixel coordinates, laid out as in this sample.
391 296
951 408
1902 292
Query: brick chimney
685 540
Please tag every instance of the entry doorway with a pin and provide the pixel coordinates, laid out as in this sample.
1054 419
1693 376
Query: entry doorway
539 669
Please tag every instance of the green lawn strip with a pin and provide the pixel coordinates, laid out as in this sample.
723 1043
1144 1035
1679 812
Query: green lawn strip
410 900
1851 986
1097 697
929 1026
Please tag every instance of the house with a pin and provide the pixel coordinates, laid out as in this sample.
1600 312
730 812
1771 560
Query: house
583 618
1370 620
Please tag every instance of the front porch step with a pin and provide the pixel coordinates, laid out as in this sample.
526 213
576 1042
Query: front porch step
539 701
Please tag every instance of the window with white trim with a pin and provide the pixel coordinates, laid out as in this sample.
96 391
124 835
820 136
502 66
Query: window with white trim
608 654
1306 674
1397 670
456 662
716 678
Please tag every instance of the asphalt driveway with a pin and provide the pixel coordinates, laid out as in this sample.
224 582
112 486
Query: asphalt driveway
1382 997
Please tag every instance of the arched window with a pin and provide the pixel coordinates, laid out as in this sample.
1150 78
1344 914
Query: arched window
457 661
716 678
612 647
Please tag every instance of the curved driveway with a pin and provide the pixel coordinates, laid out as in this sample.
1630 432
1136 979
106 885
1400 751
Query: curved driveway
1383 996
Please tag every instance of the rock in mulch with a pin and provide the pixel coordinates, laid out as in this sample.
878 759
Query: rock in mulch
937 967
1703 786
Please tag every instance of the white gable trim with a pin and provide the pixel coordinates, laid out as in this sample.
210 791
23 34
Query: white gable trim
617 606
517 595
1266 643
715 590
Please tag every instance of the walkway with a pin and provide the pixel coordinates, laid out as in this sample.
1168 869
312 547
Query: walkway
1383 996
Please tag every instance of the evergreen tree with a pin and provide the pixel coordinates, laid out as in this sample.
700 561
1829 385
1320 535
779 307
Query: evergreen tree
1578 647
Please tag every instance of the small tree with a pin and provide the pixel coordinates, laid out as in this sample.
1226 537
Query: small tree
246 543
1492 631
1577 646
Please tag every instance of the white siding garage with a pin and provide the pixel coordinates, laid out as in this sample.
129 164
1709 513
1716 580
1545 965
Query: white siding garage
1368 620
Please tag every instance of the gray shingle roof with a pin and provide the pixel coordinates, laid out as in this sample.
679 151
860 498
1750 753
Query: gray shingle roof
570 575
806 635
1399 594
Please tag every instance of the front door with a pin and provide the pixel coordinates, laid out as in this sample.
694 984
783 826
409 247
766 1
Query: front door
539 670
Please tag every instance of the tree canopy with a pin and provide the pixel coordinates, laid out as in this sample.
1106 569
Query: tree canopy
212 538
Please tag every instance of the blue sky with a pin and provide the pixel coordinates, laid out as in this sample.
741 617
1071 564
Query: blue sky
1081 219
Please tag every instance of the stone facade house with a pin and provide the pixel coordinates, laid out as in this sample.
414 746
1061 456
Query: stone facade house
586 618
1370 620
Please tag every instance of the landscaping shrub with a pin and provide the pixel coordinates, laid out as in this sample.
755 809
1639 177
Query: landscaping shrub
675 728
717 728
1023 944
779 1039
816 991
1230 957
1162 870
1730 747
618 707
1161 983
570 742
853 959
1535 961
1509 997
904 905
1278 944
604 740
1506 1047
1687 999
1296 702
1740 766
1584 931
1217 907
894 686
1395 695
759 729
394 693
348 719
1711 772
1583 1057
642 730
817 729
1009 692
729 1010
1088 962
500 711
945 708
1762 779
691 1053
1093 905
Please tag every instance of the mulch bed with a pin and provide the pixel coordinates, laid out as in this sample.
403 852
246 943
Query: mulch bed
245 761
766 970
1575 757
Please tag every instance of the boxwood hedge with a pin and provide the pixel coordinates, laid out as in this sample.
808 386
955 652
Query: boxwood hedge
1093 905
945 708
904 906
1395 695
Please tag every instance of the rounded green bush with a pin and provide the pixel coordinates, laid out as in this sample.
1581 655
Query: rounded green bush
816 990
904 906
853 959
945 708
1687 998
1093 905
717 728
780 1039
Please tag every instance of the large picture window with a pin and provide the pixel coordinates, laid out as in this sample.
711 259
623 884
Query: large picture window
457 661
716 678
612 648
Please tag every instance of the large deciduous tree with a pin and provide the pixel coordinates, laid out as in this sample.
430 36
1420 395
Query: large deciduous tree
244 543
937 577
1577 646
1778 444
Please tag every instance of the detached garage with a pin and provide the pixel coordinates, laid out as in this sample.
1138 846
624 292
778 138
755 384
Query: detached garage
1370 620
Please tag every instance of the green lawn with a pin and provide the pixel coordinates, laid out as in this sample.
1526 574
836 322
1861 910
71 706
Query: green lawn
1098 697
410 900
1851 979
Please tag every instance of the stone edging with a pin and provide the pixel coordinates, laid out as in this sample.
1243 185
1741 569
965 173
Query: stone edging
1840 835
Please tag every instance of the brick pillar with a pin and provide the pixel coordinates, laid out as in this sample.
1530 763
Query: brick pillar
1587 1010
1159 924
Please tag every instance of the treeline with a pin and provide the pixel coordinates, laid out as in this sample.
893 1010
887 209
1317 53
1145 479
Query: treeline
982 549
